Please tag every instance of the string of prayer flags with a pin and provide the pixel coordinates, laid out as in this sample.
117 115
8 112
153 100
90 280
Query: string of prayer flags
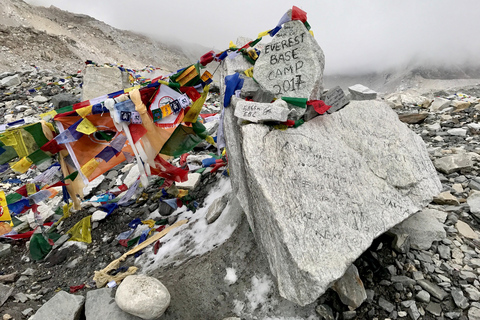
162 98
249 72
207 77
187 77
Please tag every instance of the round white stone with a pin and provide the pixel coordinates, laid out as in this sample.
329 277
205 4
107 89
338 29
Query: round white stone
142 296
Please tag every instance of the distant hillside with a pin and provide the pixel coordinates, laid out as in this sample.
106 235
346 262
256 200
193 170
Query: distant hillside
55 39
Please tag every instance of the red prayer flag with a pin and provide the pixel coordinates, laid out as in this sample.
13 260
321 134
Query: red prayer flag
319 106
299 14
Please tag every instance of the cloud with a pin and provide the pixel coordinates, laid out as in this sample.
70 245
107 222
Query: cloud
356 36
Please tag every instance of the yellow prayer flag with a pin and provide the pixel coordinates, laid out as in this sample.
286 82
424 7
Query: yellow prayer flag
86 127
89 167
182 193
66 209
232 45
187 75
311 32
210 140
51 114
253 54
4 213
166 110
206 76
82 231
263 34
150 223
22 166
249 72
31 189
132 88
85 111
196 107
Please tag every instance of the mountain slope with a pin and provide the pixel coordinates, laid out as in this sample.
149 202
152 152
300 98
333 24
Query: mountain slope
55 39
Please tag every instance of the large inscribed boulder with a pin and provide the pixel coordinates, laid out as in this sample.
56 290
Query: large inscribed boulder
291 65
316 196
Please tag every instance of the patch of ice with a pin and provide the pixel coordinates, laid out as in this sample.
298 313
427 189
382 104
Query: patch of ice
195 237
231 276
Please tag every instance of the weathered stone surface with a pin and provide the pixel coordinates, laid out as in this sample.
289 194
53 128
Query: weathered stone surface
98 81
191 183
291 65
335 183
350 288
439 104
260 112
5 292
453 163
459 298
63 306
10 81
100 305
335 98
465 230
423 228
360 92
5 249
473 201
413 118
433 289
64 100
142 296
216 208
446 198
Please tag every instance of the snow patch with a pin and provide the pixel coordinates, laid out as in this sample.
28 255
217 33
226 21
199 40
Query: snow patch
259 293
231 276
196 237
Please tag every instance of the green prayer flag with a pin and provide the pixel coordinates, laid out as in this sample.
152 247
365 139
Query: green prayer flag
37 133
307 25
253 43
298 102
182 140
72 176
13 197
38 156
64 109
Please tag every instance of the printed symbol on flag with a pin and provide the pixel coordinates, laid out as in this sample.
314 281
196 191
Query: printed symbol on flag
1 211
175 105
125 116
103 135
157 115
184 101
136 119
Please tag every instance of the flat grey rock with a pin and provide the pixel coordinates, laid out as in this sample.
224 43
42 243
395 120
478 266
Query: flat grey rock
423 228
10 81
473 201
453 163
433 289
336 183
98 81
5 293
335 98
216 208
292 64
350 288
360 92
260 112
5 249
63 306
100 305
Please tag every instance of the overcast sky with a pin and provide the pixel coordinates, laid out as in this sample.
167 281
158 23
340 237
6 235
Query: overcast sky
356 35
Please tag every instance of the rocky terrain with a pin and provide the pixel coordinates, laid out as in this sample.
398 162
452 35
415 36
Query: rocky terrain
428 267
54 39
